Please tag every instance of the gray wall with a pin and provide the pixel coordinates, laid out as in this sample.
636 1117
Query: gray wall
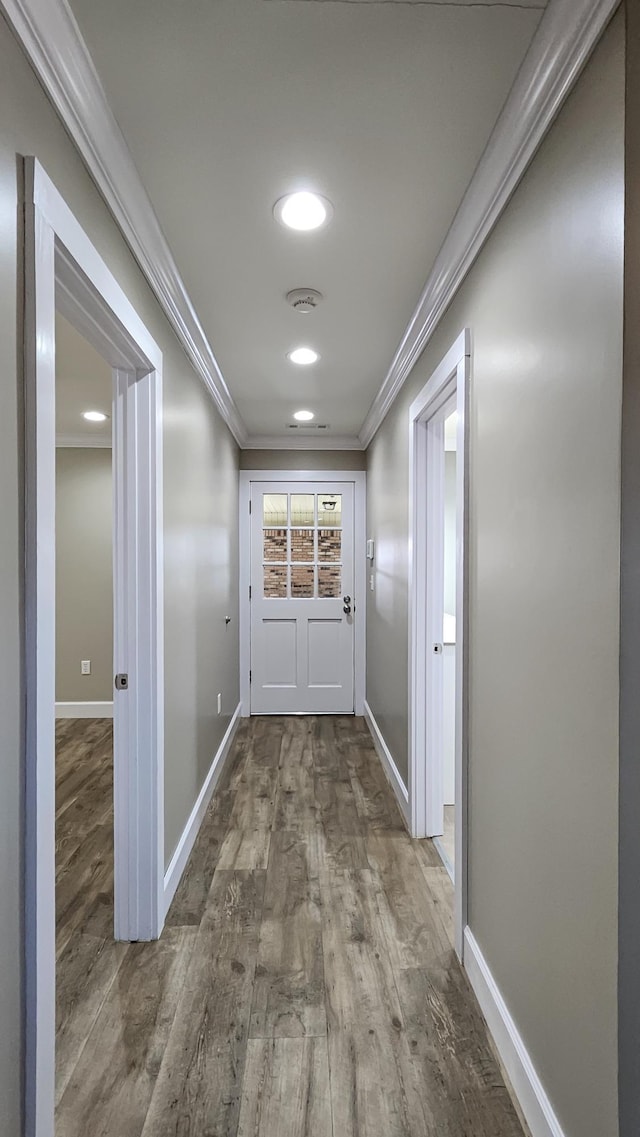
201 566
303 460
200 477
84 574
629 911
544 304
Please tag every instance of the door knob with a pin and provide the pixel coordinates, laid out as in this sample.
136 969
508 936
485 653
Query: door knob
346 605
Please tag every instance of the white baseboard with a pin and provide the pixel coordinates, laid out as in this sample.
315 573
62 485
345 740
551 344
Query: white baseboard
187 840
388 764
84 710
444 857
532 1097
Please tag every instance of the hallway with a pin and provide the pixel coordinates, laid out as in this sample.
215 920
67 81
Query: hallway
305 984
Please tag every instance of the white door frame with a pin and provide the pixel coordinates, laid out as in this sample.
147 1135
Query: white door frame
426 443
63 270
359 480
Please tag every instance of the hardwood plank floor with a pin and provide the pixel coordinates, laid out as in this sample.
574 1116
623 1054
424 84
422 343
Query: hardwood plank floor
84 829
305 984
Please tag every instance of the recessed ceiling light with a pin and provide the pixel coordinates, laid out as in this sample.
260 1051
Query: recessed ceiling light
303 356
94 416
304 416
303 211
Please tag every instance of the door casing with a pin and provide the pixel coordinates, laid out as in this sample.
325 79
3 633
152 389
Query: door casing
450 380
63 270
359 480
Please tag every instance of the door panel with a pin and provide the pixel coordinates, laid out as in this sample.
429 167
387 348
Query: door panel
323 648
280 653
302 642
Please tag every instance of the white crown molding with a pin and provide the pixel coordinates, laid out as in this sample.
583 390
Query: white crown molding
82 441
58 54
303 442
566 36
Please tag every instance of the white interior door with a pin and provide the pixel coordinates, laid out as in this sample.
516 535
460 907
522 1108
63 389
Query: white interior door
302 597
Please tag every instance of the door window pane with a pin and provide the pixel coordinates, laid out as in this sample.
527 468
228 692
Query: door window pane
302 580
302 512
275 544
329 581
275 581
329 544
274 509
302 544
330 509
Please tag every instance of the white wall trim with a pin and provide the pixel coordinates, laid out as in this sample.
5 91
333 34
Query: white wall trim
527 1086
82 441
444 857
60 258
53 43
388 765
99 710
359 479
564 40
294 441
449 382
185 845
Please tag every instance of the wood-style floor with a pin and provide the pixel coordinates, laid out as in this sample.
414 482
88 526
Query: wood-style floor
84 830
305 984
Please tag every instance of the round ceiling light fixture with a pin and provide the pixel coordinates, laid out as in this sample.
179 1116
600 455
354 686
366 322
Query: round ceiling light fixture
304 416
303 211
94 416
303 356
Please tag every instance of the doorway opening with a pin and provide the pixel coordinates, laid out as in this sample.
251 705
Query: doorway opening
438 615
64 274
86 952
302 582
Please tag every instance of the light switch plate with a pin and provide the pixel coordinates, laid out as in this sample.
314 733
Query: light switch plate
85 667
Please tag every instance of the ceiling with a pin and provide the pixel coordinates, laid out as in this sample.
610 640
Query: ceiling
384 107
83 383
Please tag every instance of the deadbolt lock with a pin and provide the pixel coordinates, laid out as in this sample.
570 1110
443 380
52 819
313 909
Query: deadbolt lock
122 682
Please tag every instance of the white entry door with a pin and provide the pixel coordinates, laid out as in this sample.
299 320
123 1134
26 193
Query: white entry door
302 598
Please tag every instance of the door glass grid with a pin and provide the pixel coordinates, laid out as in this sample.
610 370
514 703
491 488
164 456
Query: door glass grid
302 545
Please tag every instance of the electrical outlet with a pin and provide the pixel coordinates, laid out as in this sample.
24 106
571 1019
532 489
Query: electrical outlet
85 667
219 704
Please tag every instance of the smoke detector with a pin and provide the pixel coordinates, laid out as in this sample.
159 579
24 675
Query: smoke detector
304 300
